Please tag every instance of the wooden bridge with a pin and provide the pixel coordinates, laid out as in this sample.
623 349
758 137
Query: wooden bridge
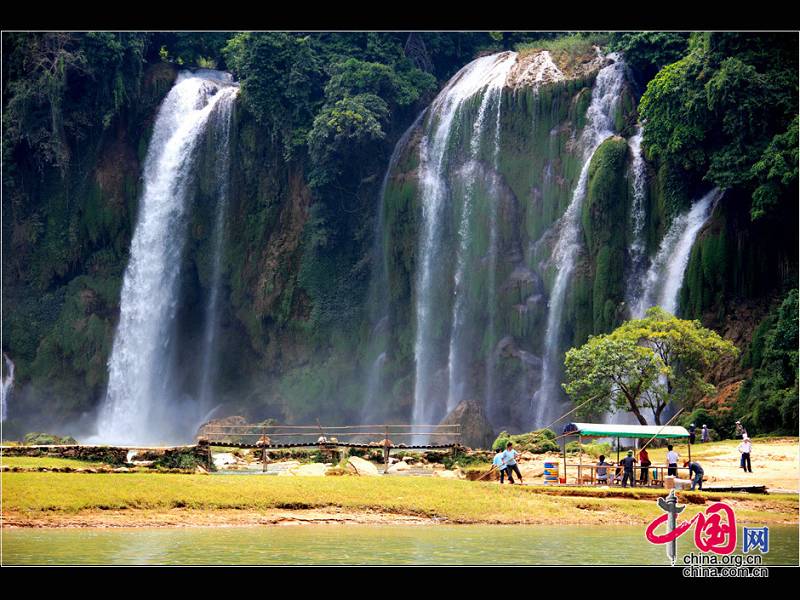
326 438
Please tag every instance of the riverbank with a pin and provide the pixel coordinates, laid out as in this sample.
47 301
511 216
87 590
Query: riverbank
167 500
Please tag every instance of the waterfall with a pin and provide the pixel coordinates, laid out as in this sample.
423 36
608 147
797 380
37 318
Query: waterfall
664 278
379 289
221 124
456 360
599 125
481 74
491 303
6 385
636 251
139 406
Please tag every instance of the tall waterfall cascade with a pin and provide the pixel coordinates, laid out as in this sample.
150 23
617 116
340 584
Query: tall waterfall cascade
378 294
141 404
485 76
6 385
599 126
637 249
664 278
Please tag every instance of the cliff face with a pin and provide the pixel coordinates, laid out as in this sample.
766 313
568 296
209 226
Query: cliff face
302 327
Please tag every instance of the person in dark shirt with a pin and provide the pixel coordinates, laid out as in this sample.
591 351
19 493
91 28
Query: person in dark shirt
692 430
627 465
696 473
644 462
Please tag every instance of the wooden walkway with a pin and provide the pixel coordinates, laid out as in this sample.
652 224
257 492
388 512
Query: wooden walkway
331 445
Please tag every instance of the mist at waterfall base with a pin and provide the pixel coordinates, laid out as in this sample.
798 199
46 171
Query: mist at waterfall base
152 396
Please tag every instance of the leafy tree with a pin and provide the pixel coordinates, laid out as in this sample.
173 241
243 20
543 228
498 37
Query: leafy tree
776 172
647 52
768 401
644 364
281 79
57 86
720 113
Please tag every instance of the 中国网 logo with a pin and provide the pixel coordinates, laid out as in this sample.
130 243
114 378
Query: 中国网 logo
714 529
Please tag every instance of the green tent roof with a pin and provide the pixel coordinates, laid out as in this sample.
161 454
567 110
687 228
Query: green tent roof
629 431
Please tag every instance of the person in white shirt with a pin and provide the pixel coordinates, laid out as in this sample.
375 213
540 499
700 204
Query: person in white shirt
510 461
672 461
744 448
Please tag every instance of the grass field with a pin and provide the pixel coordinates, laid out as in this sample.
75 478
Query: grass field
455 501
48 462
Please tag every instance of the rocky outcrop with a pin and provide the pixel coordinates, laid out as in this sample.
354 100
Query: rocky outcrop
476 431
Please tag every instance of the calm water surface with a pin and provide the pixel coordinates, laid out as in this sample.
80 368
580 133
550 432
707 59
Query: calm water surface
362 545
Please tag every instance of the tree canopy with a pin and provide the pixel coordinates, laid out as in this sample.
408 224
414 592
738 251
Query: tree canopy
726 113
644 364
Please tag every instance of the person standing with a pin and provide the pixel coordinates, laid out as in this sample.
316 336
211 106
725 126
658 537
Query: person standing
692 429
644 462
627 465
695 473
704 435
672 461
740 430
510 461
498 464
745 448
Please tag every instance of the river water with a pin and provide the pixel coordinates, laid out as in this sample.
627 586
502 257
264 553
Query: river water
361 545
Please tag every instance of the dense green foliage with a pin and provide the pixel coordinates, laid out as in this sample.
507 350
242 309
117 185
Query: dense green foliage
647 52
768 401
726 113
318 116
621 370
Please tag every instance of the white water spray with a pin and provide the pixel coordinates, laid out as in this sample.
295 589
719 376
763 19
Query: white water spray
636 250
456 363
139 407
662 284
221 122
6 385
487 71
599 125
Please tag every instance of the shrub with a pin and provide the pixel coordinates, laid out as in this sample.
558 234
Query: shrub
537 442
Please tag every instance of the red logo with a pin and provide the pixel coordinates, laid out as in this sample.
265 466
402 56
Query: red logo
715 529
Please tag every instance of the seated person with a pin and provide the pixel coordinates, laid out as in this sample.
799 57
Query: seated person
602 470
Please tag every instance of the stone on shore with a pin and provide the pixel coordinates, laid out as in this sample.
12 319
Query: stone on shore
361 466
399 467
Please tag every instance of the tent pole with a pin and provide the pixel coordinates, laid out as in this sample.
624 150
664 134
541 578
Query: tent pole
580 458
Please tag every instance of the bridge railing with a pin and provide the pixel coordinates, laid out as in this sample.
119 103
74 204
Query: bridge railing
392 435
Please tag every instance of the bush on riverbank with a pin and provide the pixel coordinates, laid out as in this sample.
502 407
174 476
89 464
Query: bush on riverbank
535 442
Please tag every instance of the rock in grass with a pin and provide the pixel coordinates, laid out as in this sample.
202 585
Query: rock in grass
361 466
398 467
309 470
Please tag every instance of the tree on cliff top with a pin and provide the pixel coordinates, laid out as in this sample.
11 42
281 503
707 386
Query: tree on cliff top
620 371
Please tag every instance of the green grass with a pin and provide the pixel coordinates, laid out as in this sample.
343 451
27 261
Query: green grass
568 50
456 501
49 462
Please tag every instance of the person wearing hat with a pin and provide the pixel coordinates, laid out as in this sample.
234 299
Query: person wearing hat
627 465
740 430
704 434
692 429
745 448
